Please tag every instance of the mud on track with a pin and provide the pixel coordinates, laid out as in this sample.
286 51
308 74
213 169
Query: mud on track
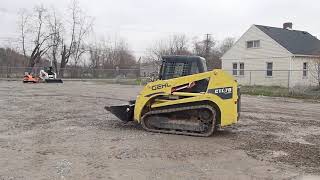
61 131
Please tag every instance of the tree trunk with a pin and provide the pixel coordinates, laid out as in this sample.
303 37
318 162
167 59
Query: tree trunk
31 64
33 58
54 61
64 61
62 68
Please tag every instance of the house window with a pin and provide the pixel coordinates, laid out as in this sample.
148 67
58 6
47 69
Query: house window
235 69
241 73
253 44
269 69
305 69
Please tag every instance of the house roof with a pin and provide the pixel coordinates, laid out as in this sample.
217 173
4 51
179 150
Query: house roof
297 42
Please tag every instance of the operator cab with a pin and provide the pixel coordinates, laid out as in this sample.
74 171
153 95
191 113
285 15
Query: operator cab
49 70
178 66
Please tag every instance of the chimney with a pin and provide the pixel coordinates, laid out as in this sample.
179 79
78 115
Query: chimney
287 25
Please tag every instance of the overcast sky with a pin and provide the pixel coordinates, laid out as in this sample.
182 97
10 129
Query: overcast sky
142 21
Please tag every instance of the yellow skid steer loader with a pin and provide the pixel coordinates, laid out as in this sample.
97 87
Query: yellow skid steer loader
187 99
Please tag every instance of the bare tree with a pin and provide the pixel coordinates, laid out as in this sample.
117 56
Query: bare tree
23 15
85 27
56 29
96 54
226 44
11 58
212 50
198 47
204 47
33 28
80 26
173 45
113 54
124 57
207 48
41 37
156 51
67 51
178 45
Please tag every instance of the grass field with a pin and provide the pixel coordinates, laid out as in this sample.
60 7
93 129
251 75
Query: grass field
277 91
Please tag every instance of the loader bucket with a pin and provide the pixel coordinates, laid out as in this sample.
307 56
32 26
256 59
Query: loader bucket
123 112
53 81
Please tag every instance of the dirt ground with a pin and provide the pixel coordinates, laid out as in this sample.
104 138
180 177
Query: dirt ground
61 131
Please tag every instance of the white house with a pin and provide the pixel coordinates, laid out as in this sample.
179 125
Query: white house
274 56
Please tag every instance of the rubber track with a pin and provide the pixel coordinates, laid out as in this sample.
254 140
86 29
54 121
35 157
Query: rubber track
188 133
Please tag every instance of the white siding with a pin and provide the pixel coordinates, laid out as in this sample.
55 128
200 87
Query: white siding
255 59
297 78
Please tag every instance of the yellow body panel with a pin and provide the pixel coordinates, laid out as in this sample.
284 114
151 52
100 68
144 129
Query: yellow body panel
218 89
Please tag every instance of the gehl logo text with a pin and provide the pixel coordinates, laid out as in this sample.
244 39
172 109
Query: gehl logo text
160 86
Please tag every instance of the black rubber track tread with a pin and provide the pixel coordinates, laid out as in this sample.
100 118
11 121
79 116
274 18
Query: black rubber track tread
206 134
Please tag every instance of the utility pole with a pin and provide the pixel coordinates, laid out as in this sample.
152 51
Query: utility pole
207 45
